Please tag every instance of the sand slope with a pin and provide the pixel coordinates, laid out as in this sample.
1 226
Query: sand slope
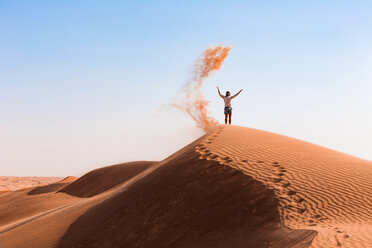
187 202
102 179
318 188
234 187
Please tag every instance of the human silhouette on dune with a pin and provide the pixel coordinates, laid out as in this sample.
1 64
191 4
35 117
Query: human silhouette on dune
227 99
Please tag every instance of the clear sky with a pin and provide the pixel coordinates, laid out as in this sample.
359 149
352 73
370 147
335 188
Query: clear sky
83 83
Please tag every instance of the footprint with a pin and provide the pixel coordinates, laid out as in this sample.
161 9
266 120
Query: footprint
285 185
226 158
301 210
276 180
338 243
299 200
291 192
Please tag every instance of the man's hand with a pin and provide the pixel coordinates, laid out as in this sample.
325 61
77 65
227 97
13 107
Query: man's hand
219 93
237 94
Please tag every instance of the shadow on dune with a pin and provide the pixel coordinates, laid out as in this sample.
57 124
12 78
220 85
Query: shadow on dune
103 179
185 202
47 188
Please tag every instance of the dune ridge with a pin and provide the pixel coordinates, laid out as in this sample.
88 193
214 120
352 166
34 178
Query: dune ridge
102 179
318 188
187 202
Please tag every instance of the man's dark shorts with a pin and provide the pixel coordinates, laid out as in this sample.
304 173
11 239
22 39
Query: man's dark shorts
228 110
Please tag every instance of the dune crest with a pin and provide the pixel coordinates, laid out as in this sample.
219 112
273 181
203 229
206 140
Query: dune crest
68 179
103 179
317 188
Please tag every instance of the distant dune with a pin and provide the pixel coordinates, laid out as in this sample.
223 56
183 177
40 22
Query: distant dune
16 183
233 187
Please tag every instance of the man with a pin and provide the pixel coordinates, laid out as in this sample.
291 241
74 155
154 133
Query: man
227 99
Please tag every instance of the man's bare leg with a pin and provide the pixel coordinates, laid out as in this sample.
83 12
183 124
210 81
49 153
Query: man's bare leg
230 119
225 119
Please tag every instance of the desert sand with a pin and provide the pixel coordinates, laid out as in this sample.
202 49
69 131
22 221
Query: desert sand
233 187
16 183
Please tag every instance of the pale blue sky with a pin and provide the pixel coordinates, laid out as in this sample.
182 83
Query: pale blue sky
82 83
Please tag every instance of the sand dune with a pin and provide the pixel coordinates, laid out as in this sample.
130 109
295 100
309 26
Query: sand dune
100 180
68 179
52 187
16 183
234 187
318 188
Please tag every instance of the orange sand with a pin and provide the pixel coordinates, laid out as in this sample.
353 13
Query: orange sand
193 103
233 187
16 183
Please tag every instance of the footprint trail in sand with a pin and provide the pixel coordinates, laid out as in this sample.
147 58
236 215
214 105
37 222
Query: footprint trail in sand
317 188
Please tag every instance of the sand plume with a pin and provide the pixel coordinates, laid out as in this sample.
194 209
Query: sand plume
194 104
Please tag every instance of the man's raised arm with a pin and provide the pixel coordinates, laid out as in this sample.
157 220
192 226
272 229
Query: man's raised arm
236 94
219 92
